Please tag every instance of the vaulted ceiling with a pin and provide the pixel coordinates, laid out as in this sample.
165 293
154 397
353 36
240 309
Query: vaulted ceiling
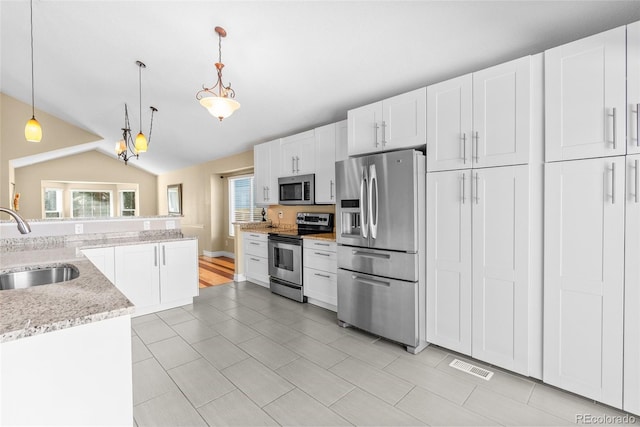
294 64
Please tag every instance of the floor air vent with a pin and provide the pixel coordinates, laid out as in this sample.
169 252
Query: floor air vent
471 369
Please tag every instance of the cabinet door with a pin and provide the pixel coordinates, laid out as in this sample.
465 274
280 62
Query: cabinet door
449 118
342 149
501 114
404 120
325 149
365 132
297 156
632 288
633 88
103 259
178 270
500 266
138 274
449 260
585 97
583 277
261 172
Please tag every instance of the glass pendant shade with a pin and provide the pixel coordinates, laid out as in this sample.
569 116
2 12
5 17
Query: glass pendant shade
220 107
120 146
33 131
141 143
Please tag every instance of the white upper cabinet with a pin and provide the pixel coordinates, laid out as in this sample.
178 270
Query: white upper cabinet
266 163
325 182
633 88
450 118
585 97
297 154
584 242
342 149
481 119
501 114
396 122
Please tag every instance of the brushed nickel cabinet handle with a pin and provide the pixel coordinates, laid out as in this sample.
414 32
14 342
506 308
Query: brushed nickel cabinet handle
164 255
384 130
637 181
476 155
464 148
331 189
615 131
375 133
320 253
155 256
613 183
477 198
326 276
463 187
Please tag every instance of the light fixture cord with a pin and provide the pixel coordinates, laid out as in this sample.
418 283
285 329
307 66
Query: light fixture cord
33 108
219 48
140 90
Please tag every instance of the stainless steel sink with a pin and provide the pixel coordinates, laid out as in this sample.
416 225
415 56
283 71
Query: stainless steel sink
38 276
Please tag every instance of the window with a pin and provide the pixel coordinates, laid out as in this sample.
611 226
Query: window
90 204
241 201
52 203
128 203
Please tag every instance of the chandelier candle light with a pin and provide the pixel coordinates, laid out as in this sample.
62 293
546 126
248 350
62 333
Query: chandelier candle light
32 131
126 147
221 104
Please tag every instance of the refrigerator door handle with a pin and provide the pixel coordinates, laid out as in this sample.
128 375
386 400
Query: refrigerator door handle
364 228
370 254
373 200
368 281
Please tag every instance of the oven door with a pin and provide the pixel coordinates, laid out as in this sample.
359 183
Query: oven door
285 259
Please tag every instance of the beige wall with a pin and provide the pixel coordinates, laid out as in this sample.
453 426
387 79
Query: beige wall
91 166
204 199
56 134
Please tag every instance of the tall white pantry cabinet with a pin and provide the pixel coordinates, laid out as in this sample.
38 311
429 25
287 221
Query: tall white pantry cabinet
592 218
484 214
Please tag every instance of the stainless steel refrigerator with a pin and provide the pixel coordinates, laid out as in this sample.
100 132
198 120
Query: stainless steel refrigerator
380 230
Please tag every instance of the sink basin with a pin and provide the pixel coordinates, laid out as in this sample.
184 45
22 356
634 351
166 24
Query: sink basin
37 276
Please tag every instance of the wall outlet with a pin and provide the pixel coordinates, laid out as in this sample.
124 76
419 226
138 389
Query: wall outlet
147 225
280 214
79 228
170 225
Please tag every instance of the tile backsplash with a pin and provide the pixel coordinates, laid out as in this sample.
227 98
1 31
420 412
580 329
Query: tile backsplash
289 212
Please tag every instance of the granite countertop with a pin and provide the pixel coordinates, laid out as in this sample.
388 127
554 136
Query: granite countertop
89 298
265 228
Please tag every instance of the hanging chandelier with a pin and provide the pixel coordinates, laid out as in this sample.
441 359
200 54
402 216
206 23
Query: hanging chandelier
220 104
32 130
126 148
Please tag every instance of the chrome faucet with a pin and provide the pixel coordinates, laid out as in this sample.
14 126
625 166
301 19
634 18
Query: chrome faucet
23 226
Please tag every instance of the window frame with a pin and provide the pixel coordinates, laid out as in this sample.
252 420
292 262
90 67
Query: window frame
59 202
254 212
121 207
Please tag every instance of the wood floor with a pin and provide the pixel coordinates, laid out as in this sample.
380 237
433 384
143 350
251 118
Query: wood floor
215 271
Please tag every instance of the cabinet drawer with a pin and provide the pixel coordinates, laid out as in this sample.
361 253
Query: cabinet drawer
319 244
256 248
257 266
321 285
262 237
320 260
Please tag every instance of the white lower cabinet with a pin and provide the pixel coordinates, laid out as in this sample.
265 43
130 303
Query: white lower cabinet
157 276
584 242
320 273
256 257
478 263
632 288
104 260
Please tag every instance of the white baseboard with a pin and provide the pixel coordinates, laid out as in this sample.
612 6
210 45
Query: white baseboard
219 253
239 277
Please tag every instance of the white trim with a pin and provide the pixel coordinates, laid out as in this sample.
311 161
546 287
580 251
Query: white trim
239 278
219 253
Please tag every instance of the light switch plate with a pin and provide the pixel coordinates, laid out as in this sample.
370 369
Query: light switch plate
170 225
79 228
147 225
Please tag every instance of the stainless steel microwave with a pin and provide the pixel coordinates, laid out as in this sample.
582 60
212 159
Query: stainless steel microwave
297 190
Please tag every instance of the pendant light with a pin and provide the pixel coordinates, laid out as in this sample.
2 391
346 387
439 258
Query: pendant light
32 131
127 148
221 104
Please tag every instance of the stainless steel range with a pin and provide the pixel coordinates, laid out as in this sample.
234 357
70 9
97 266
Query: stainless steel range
285 254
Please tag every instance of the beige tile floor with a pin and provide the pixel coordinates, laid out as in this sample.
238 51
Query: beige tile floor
242 356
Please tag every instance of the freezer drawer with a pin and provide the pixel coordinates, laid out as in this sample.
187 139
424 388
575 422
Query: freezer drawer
399 265
384 307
